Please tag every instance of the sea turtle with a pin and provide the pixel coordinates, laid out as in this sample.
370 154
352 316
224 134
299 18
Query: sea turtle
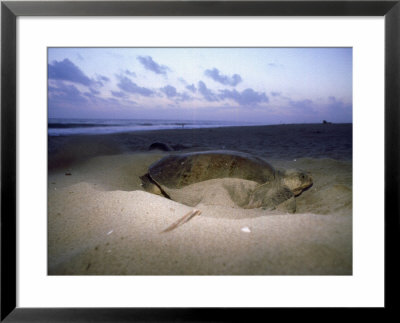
250 181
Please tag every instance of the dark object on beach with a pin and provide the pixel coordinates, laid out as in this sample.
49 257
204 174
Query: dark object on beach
166 147
68 174
180 147
326 122
275 189
160 146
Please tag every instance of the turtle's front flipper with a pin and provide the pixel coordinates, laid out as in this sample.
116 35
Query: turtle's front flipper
288 205
273 196
149 185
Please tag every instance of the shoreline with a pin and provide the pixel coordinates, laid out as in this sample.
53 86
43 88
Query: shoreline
230 127
285 142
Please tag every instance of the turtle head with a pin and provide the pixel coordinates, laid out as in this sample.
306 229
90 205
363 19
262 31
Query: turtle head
296 180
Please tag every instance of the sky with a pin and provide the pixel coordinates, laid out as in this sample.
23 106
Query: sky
260 85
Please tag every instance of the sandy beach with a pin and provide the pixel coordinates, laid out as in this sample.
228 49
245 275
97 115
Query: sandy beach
102 222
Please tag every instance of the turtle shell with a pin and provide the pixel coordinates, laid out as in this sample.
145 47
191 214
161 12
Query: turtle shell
177 171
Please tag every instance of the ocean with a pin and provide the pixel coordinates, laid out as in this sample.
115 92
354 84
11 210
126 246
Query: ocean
65 127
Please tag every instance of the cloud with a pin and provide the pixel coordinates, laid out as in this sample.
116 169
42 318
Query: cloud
119 94
89 95
151 65
66 95
303 105
68 101
276 93
109 103
127 85
67 71
103 78
191 88
246 97
169 91
172 93
130 73
184 97
337 105
233 80
332 99
208 94
182 80
338 111
93 91
275 65
331 109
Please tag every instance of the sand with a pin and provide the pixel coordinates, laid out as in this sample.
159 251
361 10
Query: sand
102 222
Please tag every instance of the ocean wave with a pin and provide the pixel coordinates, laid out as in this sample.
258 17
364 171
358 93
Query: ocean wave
77 125
65 127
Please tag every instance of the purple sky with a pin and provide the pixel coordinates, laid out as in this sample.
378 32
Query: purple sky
265 85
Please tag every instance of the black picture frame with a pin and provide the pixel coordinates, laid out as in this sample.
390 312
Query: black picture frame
10 10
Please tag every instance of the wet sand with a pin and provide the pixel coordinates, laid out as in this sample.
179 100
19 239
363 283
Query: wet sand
102 222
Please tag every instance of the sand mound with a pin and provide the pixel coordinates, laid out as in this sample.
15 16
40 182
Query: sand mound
231 192
331 192
115 232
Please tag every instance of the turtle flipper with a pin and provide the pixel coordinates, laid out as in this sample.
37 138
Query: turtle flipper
149 185
273 196
288 205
